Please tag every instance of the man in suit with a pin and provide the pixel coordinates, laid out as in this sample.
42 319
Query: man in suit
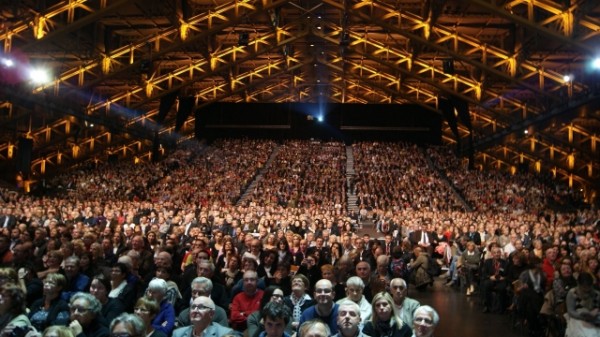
362 254
423 239
388 245
474 235
8 220
202 311
494 280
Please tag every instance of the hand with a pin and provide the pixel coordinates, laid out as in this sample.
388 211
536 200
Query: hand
76 328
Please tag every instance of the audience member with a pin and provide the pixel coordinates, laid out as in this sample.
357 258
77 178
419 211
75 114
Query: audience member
324 309
202 311
386 320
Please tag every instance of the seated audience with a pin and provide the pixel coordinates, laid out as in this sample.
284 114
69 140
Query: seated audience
349 320
425 321
385 319
246 302
405 306
275 316
325 308
127 325
202 311
147 309
111 307
165 319
51 309
583 308
201 286
354 292
13 312
256 320
85 312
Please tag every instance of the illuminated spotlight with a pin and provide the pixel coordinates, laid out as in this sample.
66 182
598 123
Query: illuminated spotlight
39 76
567 78
320 118
596 63
7 62
526 132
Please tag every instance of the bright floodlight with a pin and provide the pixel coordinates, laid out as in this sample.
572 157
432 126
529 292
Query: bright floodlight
39 76
567 78
526 132
8 62
320 118
596 63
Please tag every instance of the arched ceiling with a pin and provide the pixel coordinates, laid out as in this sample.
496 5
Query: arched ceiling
112 61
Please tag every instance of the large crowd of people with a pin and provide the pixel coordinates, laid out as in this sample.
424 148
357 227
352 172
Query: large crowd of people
168 249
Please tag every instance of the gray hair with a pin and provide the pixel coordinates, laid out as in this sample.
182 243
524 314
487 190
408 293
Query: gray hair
159 285
349 303
73 258
355 281
398 279
204 282
133 323
430 311
95 305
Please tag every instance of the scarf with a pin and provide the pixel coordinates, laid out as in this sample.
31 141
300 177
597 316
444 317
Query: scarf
298 302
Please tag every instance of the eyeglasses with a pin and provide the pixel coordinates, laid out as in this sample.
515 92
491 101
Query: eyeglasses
323 291
200 307
142 310
78 309
276 296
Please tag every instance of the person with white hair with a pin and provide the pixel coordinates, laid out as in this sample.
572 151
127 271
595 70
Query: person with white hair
165 320
354 292
425 321
202 312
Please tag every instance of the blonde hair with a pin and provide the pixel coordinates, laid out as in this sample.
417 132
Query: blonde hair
395 314
61 331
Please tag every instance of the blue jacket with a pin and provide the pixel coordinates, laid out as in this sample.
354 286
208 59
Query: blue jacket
80 283
311 313
165 320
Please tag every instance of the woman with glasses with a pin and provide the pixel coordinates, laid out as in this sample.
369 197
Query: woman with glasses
111 307
385 319
85 313
425 321
147 309
127 325
50 310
